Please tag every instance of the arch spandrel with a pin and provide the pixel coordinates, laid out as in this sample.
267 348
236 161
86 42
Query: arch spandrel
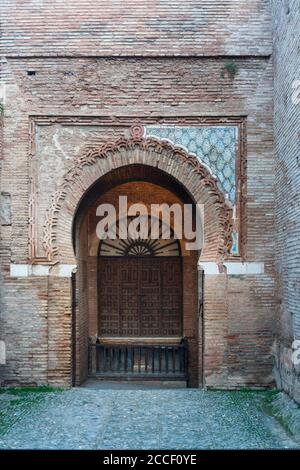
174 161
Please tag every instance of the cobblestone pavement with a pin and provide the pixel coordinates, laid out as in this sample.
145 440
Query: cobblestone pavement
88 418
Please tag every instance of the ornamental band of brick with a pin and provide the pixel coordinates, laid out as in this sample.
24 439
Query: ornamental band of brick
117 148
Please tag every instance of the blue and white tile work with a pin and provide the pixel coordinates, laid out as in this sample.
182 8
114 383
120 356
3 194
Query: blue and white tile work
214 146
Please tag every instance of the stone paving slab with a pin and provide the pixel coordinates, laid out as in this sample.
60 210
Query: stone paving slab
129 418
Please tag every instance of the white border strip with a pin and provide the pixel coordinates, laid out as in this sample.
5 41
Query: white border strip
2 353
27 270
233 268
65 270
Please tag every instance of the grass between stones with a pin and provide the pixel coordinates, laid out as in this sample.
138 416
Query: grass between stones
15 403
281 407
26 390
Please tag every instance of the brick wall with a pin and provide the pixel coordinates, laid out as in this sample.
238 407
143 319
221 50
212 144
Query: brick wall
286 19
134 27
141 88
99 83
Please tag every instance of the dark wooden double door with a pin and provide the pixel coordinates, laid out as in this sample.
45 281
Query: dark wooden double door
140 296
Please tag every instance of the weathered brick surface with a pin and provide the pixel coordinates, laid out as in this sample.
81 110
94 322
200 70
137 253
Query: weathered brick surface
143 88
36 312
134 27
286 18
59 331
24 327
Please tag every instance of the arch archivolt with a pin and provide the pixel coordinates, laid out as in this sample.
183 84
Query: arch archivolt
175 162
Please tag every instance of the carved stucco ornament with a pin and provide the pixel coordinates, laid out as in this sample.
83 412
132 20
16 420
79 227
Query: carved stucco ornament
74 174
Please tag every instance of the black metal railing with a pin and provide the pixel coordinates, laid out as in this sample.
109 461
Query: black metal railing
139 361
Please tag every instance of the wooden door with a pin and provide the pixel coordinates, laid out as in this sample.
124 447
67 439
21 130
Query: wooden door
150 296
127 292
140 296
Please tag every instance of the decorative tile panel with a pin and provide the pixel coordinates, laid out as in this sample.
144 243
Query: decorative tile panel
214 146
205 137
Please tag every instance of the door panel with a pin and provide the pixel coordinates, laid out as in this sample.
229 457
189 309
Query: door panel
171 286
150 297
108 277
140 296
128 294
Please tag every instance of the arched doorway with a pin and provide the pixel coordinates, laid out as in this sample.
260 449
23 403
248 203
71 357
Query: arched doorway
139 295
92 176
140 315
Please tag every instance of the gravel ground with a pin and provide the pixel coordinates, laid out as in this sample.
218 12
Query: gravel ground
89 418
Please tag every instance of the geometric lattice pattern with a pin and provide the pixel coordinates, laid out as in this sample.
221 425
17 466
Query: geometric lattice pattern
154 238
138 247
214 146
